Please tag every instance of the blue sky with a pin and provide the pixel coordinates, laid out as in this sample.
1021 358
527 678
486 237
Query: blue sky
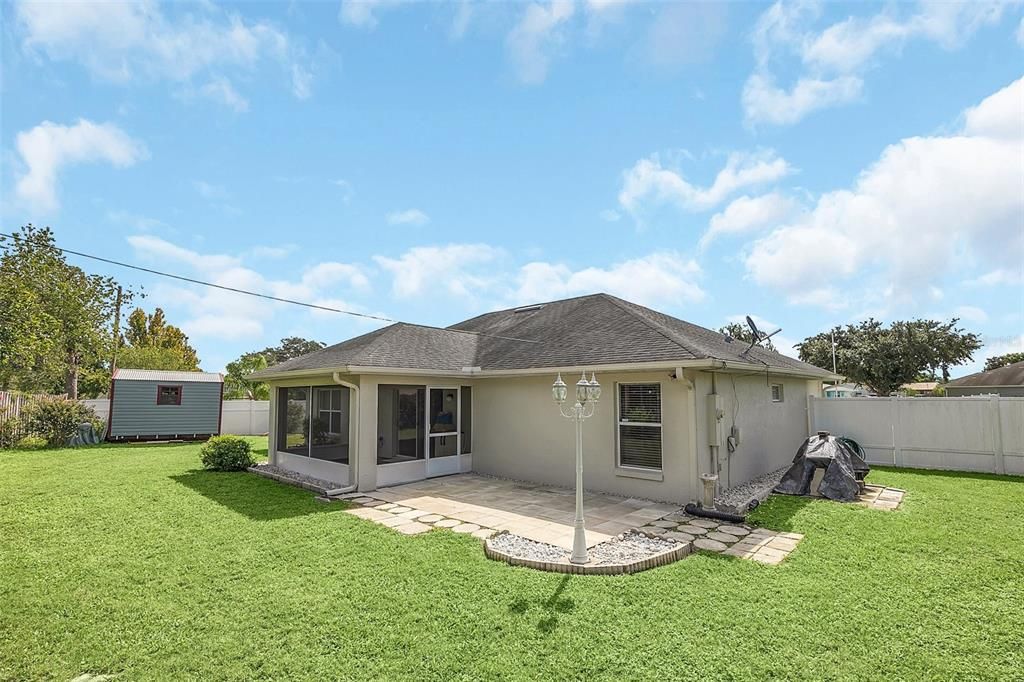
810 164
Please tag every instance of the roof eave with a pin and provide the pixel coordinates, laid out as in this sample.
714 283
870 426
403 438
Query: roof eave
699 364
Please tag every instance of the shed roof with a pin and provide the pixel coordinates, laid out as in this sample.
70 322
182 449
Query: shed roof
125 374
593 330
1010 375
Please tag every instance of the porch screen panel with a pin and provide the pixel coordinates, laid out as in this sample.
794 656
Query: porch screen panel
293 420
329 423
639 427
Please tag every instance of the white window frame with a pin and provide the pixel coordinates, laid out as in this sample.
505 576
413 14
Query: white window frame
330 411
782 393
619 423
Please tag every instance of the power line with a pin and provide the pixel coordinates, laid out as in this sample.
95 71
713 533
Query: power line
259 295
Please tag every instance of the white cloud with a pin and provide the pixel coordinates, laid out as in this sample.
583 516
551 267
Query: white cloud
971 313
649 183
217 313
324 275
220 90
347 191
1007 276
663 277
412 216
925 204
749 213
49 147
764 102
537 35
835 59
461 269
122 41
460 22
210 191
360 13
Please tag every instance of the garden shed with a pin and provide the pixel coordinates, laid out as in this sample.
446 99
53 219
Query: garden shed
150 404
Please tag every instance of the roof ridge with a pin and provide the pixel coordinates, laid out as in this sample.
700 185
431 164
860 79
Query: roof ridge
667 333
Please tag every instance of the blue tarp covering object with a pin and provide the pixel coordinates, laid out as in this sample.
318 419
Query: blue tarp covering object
86 436
844 467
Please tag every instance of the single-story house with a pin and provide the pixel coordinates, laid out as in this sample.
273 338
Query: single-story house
920 388
845 391
1004 381
407 402
148 404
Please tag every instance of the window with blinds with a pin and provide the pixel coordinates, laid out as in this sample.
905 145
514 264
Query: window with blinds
639 430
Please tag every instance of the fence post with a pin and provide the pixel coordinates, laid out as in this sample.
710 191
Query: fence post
811 426
997 443
894 418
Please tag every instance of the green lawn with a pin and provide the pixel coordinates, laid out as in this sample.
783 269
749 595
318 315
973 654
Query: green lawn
127 559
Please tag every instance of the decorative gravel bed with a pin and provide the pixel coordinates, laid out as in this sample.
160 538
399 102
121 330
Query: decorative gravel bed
318 485
629 547
630 552
524 548
737 499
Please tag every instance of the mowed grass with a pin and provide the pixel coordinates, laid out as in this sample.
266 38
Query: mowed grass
130 560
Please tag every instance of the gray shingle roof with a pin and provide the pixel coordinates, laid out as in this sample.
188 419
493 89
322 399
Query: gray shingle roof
598 329
1010 375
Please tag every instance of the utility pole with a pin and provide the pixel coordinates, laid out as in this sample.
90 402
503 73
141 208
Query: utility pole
834 381
117 332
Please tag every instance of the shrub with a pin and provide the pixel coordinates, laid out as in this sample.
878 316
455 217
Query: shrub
10 430
56 419
226 453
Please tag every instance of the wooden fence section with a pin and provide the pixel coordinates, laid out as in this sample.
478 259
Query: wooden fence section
976 433
12 404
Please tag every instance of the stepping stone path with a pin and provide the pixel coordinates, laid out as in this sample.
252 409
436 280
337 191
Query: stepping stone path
735 540
409 521
880 497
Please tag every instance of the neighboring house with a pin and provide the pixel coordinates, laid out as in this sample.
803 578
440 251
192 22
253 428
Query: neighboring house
148 404
844 391
1004 381
408 402
920 388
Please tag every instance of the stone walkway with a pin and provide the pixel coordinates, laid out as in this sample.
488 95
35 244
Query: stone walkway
481 506
738 540
880 497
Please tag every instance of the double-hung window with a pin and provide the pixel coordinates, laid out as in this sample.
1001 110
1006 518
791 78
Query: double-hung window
639 427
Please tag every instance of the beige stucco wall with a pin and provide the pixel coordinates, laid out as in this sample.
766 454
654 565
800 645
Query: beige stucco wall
770 433
520 434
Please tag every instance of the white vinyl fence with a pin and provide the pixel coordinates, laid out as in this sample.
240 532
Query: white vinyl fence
977 433
246 417
240 417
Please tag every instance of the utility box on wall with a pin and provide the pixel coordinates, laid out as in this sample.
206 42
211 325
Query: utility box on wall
715 415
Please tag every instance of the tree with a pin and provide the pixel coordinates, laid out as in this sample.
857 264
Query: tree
237 383
151 343
54 318
997 361
884 358
741 333
291 347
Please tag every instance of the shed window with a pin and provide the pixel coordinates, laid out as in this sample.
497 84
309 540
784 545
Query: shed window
168 395
639 427
777 393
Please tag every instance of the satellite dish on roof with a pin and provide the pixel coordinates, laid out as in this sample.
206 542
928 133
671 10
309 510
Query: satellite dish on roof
757 335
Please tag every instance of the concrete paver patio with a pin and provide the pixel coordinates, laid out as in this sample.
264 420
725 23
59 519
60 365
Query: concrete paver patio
535 511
